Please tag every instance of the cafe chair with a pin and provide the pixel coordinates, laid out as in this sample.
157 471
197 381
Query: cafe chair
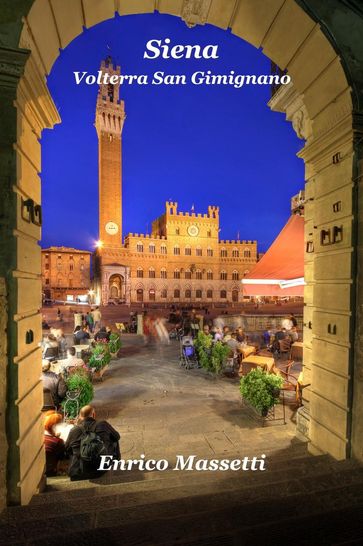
51 353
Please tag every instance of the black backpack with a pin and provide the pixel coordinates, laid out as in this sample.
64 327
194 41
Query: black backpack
91 446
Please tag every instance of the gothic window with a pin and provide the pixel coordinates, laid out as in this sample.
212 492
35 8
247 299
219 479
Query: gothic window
177 231
177 293
188 293
223 294
163 249
151 294
152 248
198 274
235 276
209 252
164 293
247 253
151 273
198 251
224 253
140 247
198 294
71 266
177 274
223 275
188 274
163 273
209 294
140 272
176 251
210 275
235 253
188 251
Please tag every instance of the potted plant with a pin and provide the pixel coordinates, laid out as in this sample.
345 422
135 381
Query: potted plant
218 356
261 390
79 393
100 359
114 344
211 356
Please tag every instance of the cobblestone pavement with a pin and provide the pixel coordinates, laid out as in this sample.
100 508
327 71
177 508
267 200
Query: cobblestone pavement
161 410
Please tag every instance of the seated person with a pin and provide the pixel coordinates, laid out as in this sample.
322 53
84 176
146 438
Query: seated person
72 359
293 334
80 469
285 344
233 343
241 338
102 334
80 335
54 383
50 342
226 334
54 445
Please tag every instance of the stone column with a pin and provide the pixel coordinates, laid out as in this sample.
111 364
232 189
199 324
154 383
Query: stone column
140 325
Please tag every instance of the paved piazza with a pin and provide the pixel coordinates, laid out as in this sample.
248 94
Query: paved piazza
162 410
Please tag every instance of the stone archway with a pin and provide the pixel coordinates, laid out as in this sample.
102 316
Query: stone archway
322 112
115 286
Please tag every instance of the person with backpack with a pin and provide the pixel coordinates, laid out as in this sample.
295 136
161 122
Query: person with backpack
86 442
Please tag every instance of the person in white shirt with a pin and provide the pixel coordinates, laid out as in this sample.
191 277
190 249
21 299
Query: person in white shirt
72 361
287 324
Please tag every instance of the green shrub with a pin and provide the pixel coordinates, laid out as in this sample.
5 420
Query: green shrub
78 381
114 343
211 356
100 356
260 389
219 354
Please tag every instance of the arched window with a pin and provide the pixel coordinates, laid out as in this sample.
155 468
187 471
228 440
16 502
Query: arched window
209 294
188 294
223 253
188 251
223 294
177 274
198 251
139 247
163 273
164 293
152 248
139 295
198 275
176 293
176 251
198 294
188 274
235 276
139 272
210 275
247 253
223 275
235 295
151 273
235 253
209 251
163 249
152 294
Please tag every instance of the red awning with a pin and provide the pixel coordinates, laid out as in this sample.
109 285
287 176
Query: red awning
284 261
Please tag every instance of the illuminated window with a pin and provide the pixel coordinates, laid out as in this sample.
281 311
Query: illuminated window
235 253
209 252
140 247
223 275
176 251
224 253
163 249
152 248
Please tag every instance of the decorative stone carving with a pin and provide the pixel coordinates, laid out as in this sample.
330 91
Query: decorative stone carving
12 63
195 12
288 100
301 123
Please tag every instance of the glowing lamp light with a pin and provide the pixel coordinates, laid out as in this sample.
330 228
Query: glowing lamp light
91 292
99 244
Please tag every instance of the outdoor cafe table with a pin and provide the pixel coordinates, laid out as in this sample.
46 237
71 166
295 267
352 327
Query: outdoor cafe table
265 362
297 350
247 350
79 349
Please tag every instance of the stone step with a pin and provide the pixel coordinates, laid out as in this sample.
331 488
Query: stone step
199 517
123 506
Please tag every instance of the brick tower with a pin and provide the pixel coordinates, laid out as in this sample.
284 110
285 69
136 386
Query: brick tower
110 117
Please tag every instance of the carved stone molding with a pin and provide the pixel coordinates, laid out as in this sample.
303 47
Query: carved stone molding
12 63
290 101
195 12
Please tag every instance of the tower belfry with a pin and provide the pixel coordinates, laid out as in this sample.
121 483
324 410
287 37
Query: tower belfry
110 117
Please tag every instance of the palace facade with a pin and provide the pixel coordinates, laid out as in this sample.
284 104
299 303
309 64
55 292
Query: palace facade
182 260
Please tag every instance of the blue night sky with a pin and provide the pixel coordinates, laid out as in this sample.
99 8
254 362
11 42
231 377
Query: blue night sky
197 145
